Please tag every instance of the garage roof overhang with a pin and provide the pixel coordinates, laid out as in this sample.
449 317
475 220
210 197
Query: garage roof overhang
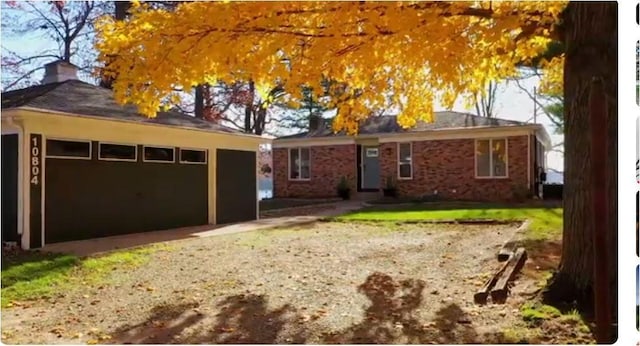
16 114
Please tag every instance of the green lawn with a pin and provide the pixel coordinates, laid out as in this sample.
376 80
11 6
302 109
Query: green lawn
28 275
545 221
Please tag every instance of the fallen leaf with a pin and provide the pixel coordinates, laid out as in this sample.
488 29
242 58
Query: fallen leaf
92 342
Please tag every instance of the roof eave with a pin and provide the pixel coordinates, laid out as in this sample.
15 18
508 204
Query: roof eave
413 133
103 118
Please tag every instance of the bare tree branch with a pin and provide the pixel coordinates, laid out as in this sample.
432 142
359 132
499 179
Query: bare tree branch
12 84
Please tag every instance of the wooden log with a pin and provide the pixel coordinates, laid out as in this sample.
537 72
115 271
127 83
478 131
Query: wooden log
506 252
501 289
509 247
480 297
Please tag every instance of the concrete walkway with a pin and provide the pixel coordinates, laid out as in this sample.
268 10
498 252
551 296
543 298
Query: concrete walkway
100 245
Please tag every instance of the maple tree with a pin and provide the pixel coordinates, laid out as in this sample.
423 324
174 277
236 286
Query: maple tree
456 48
389 54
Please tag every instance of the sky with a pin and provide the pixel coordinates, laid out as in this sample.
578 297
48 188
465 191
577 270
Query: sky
511 102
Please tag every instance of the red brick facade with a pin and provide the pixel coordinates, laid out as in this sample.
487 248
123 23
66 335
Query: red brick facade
445 167
328 165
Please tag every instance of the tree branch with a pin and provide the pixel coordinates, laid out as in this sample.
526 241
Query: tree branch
12 84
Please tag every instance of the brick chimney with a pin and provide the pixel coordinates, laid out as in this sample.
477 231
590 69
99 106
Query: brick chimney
59 71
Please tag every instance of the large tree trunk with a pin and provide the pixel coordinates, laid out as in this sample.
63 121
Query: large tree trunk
249 108
120 13
591 38
199 102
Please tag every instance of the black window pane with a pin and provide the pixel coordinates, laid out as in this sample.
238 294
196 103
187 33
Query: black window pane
158 154
193 155
405 170
117 151
63 148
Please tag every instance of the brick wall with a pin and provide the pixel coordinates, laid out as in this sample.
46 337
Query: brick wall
448 166
327 166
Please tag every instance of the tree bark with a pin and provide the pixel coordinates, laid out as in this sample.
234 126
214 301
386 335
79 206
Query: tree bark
199 102
122 9
120 13
249 108
591 37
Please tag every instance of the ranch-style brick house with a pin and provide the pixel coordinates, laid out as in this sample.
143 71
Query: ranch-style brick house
457 156
77 165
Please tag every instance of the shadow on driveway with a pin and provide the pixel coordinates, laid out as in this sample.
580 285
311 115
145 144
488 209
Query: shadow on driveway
246 319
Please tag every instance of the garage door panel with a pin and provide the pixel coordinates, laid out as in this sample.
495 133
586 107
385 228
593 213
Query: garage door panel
236 193
91 198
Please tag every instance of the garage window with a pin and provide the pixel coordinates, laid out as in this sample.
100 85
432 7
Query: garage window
193 156
117 152
64 149
159 154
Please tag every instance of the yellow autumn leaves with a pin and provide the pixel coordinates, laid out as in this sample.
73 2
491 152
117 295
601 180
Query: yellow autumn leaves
388 54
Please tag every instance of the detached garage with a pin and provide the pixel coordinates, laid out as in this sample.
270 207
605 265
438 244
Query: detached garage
76 165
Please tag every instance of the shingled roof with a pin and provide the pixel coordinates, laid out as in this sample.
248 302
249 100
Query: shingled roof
386 124
77 97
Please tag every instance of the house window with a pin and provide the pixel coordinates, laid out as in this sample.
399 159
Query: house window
299 164
491 158
193 156
159 154
68 149
372 152
405 166
117 152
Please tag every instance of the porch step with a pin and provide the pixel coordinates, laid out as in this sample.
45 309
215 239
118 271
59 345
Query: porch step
367 196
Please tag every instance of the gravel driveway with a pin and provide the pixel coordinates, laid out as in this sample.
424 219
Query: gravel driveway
325 283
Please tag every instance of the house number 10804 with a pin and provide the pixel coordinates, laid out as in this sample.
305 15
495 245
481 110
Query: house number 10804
35 161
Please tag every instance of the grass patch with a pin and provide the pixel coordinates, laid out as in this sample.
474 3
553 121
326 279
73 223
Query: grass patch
33 274
546 222
537 312
568 326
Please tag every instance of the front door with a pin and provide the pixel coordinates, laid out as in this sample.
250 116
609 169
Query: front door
370 167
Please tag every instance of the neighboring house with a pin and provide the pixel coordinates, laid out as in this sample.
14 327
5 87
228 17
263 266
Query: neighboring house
457 156
77 165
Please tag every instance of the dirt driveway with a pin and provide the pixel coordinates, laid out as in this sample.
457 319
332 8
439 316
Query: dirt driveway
325 283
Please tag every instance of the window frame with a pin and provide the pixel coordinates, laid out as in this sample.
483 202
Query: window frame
376 150
46 148
491 173
206 156
173 150
299 150
135 146
398 163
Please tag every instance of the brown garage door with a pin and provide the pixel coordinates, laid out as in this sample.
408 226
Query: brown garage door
236 190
